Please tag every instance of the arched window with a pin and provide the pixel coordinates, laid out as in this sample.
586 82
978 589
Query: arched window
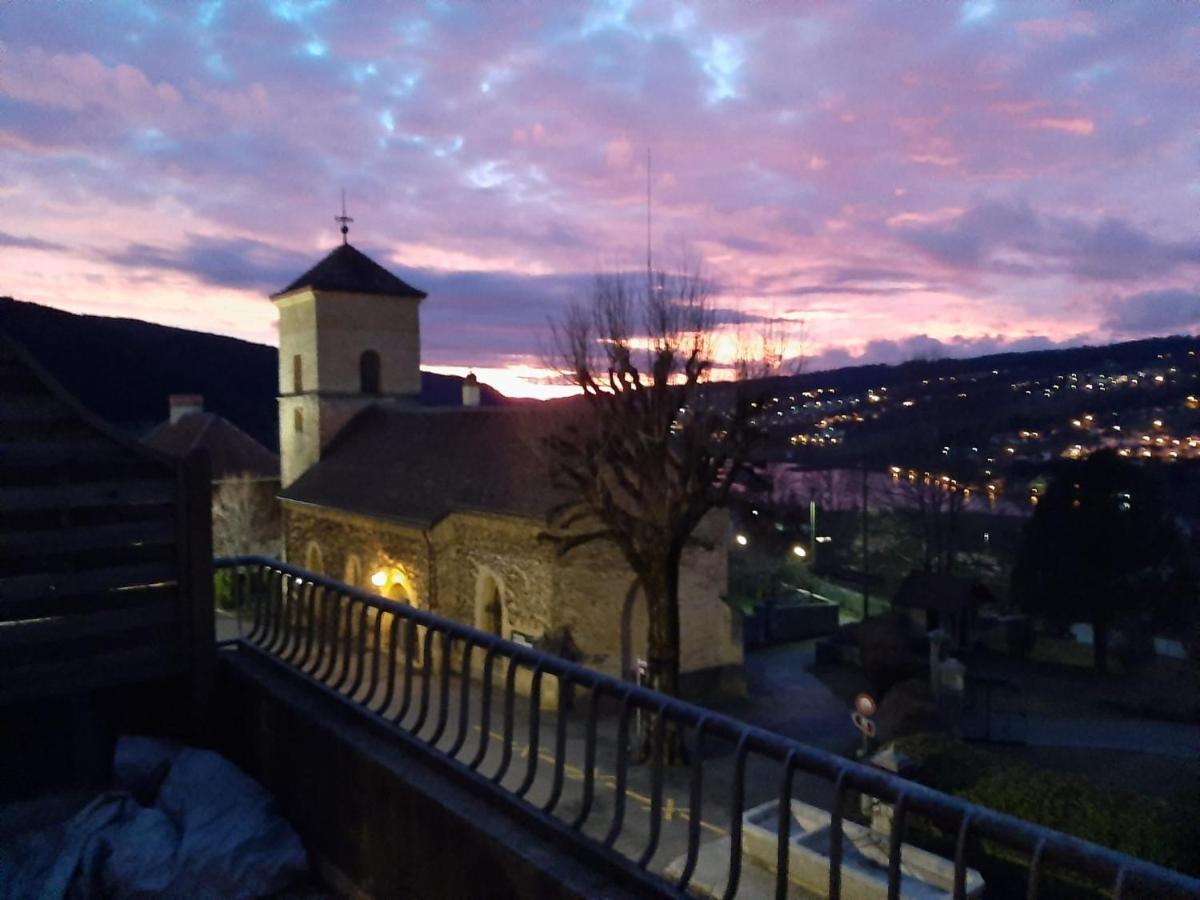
368 372
297 374
353 576
298 421
312 558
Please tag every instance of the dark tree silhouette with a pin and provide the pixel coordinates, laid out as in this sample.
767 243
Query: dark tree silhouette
1102 544
658 447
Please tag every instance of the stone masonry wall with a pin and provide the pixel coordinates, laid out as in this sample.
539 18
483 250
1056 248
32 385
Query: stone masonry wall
376 545
585 591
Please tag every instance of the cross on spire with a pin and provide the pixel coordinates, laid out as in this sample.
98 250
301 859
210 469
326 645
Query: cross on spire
344 219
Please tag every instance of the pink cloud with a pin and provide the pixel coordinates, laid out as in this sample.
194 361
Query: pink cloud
1076 125
832 174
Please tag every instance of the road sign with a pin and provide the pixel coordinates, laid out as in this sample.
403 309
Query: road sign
863 724
864 705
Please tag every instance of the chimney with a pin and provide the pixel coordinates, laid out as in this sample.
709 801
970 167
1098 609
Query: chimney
183 404
470 390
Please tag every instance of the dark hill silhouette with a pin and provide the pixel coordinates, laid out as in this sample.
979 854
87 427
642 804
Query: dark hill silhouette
124 369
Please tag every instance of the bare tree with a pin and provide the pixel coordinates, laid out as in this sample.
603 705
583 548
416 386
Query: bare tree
657 446
243 518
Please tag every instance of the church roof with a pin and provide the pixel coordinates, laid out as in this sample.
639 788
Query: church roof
349 269
427 463
231 450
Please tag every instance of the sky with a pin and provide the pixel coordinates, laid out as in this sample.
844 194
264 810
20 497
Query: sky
889 180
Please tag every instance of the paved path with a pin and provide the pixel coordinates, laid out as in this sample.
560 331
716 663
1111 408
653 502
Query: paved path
1131 735
785 697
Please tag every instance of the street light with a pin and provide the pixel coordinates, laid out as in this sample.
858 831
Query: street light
799 551
742 540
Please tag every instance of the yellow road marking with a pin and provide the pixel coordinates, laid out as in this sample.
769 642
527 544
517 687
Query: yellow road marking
669 809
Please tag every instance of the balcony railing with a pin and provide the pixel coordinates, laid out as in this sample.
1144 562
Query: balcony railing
446 687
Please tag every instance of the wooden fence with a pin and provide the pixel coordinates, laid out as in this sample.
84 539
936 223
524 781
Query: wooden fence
105 550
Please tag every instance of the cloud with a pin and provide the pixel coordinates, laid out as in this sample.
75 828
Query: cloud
924 347
1079 125
27 243
1015 238
225 262
1152 313
817 167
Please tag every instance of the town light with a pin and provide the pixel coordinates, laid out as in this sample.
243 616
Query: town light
799 551
380 578
742 540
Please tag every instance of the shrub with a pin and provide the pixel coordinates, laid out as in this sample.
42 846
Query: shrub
888 646
223 589
1146 827
908 708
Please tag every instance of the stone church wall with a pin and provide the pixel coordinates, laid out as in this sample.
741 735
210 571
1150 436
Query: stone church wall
375 544
473 548
587 591
593 583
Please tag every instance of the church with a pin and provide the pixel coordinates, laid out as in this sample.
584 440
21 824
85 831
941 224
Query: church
441 506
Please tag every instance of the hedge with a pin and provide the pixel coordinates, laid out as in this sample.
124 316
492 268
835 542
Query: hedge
1151 828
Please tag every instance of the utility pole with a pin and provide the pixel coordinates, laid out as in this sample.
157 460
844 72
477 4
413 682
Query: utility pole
812 531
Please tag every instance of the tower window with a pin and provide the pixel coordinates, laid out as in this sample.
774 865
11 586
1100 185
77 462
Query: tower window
298 420
297 374
368 372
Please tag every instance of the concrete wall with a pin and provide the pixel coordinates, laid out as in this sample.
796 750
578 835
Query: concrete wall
384 818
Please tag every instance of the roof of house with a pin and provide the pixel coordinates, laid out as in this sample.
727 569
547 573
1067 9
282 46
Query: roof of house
428 462
943 593
230 450
349 269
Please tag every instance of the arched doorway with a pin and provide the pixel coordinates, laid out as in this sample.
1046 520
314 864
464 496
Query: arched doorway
491 616
353 575
399 588
490 613
312 558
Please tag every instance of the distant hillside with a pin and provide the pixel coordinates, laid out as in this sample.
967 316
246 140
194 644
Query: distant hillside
124 369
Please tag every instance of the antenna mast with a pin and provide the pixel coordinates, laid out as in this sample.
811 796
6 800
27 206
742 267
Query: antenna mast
649 265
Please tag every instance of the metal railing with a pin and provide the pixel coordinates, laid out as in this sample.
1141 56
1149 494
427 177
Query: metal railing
406 668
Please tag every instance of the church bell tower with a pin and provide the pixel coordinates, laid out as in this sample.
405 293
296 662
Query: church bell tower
349 336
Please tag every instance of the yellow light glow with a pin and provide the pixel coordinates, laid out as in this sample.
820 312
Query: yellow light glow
380 578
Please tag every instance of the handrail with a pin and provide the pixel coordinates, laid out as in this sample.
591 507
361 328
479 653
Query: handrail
288 616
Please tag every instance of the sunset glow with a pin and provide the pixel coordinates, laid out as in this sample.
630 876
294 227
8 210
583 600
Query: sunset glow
889 179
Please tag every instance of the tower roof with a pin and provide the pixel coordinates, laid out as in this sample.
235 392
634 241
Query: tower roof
349 269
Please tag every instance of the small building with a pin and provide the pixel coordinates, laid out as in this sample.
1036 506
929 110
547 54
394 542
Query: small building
245 475
948 602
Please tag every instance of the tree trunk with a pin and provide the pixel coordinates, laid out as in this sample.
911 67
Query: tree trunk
662 595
